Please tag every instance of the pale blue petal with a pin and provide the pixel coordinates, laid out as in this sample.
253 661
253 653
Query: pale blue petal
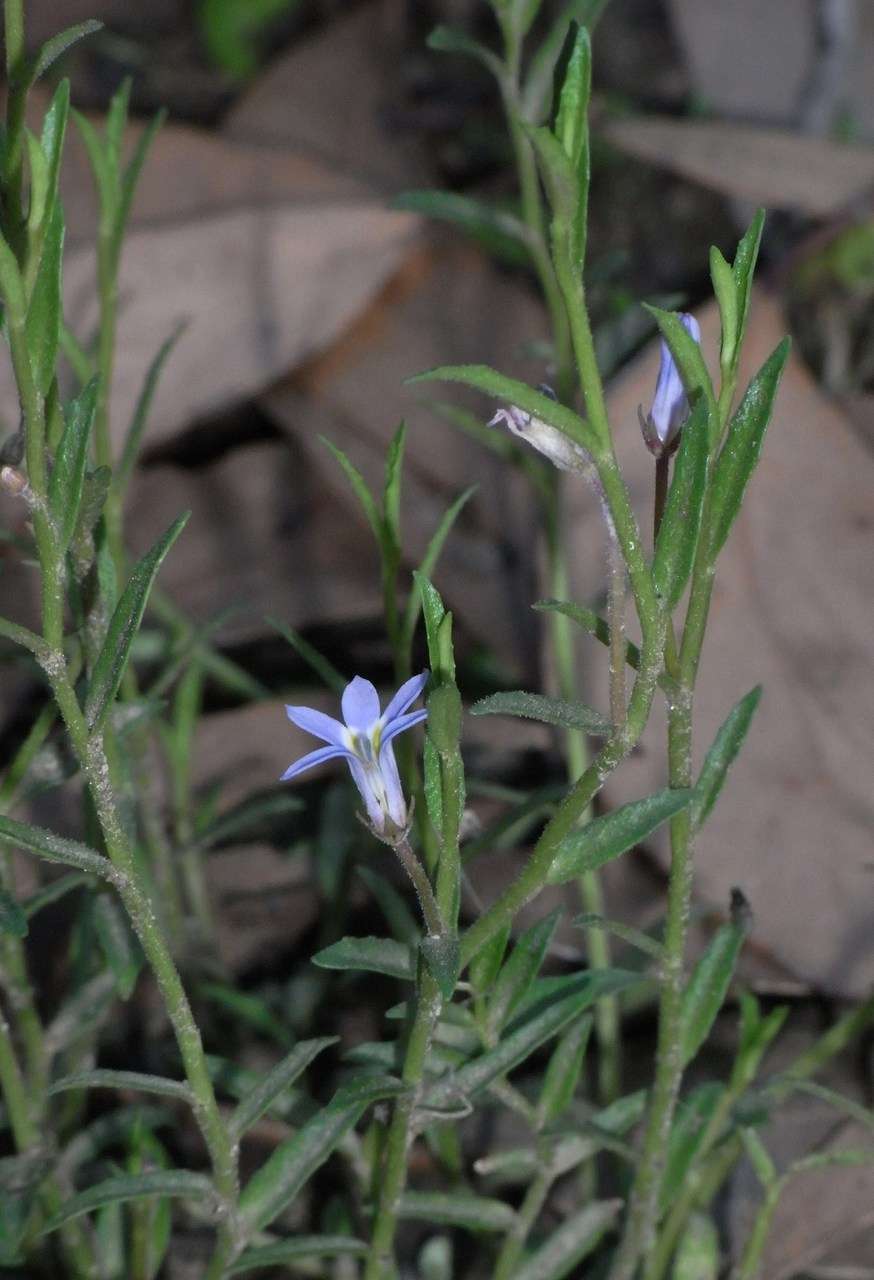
394 792
400 724
408 693
318 724
368 795
669 401
691 325
319 756
360 704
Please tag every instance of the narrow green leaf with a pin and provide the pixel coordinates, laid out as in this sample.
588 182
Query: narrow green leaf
359 487
690 361
81 1015
781 1085
282 1077
133 1081
53 892
275 1185
499 387
299 1248
537 91
450 40
429 561
591 622
486 964
137 427
760 1159
54 131
97 156
55 848
571 121
120 949
248 1008
499 232
526 1036
719 759
697 1256
537 706
743 444
516 976
707 987
110 666
58 45
39 186
325 670
434 613
634 937
743 269
563 1072
457 1209
725 288
677 541
13 920
441 955
690 1122
574 1240
370 955
606 838
131 176
391 494
68 473
178 1183
245 820
44 312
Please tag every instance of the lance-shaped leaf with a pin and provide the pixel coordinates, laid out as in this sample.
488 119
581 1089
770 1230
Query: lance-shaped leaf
708 986
457 1209
689 360
245 821
677 540
451 40
566 1247
534 1028
563 1072
538 87
572 132
606 838
499 232
282 1077
719 759
324 669
429 562
743 269
54 892
55 848
369 955
520 970
499 387
687 1131
298 1249
294 1161
44 313
68 473
141 411
440 952
133 1081
537 706
743 445
112 662
58 45
177 1183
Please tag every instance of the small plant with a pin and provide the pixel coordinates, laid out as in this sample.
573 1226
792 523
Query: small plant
481 1027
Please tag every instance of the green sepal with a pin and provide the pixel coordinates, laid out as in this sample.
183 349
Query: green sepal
442 956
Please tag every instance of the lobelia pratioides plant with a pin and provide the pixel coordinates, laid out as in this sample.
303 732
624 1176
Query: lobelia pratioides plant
477 1007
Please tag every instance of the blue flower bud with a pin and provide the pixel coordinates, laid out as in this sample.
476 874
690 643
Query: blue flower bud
670 407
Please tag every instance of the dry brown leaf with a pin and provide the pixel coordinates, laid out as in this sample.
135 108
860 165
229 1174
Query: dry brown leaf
768 166
793 611
327 98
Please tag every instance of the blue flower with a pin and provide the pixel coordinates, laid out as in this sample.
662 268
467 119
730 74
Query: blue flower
365 743
670 407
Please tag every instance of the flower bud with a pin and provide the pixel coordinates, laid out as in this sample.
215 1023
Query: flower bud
670 407
552 443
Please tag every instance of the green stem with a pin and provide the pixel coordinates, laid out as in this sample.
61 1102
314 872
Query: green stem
526 1216
380 1265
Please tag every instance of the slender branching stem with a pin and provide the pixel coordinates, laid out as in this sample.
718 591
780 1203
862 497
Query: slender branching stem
430 911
